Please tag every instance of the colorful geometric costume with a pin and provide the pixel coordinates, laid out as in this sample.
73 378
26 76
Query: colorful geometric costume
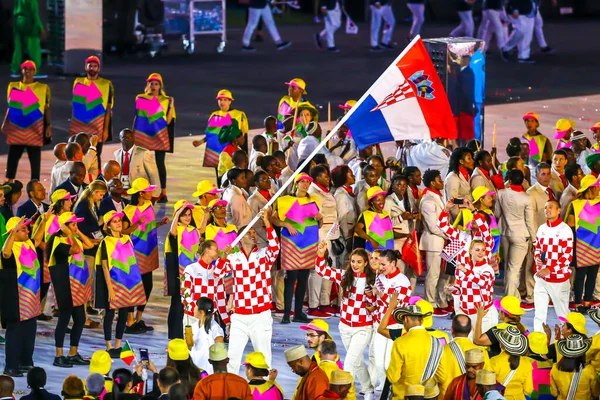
265 390
223 236
145 237
379 227
91 101
72 283
216 121
537 144
187 242
587 239
27 105
150 127
299 251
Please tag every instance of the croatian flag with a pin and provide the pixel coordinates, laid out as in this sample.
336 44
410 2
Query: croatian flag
406 102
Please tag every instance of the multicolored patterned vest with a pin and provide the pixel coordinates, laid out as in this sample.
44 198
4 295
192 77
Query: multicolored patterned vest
144 237
266 391
188 240
287 107
537 144
28 279
216 121
379 227
50 228
79 274
124 272
299 251
151 128
26 107
223 236
587 239
91 99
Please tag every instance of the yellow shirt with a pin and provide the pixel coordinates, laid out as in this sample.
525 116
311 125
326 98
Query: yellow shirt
198 215
521 383
408 360
449 368
329 367
593 354
588 383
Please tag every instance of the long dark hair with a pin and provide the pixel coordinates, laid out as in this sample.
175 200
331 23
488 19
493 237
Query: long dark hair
189 373
514 361
135 199
568 364
36 380
208 307
56 207
348 279
121 378
458 154
50 243
405 201
391 255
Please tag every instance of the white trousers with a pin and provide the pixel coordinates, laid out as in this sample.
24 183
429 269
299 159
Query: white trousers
382 352
333 21
254 15
539 30
418 18
435 280
355 341
489 321
256 327
492 24
466 26
542 294
521 36
386 14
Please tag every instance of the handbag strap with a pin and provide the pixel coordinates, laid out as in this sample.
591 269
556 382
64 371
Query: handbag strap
460 357
574 383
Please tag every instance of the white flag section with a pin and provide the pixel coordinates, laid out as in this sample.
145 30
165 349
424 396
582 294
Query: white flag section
390 94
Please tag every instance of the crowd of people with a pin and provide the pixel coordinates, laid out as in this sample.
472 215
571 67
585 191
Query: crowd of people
349 238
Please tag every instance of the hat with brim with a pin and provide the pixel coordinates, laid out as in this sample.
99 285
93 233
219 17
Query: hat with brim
217 202
577 321
592 159
303 176
577 135
594 314
109 216
514 342
596 127
298 83
61 194
92 59
100 362
562 126
317 325
481 191
68 217
182 204
156 77
411 310
205 187
224 94
426 308
347 105
13 221
509 305
177 350
257 360
141 185
574 346
587 182
374 192
531 115
217 352
28 64
538 342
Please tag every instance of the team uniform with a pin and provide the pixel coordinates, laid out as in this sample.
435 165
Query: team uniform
465 13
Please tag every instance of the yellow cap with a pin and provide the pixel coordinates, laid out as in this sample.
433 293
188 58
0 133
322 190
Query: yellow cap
61 194
531 115
28 64
538 342
317 325
299 83
13 221
68 217
178 350
484 377
341 378
155 77
217 202
564 124
426 307
348 105
509 305
109 216
374 192
577 320
587 182
141 185
256 359
481 191
204 187
302 176
596 127
100 362
182 203
432 390
415 390
224 94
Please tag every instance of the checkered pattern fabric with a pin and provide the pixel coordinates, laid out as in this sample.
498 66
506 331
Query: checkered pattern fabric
554 244
354 311
388 285
403 92
475 287
203 280
459 240
252 276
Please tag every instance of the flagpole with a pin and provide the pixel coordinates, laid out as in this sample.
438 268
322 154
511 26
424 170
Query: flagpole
323 143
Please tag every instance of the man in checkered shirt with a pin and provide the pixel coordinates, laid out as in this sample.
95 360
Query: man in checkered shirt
251 318
553 254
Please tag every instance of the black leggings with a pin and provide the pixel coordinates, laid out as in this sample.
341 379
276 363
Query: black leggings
78 314
288 291
98 154
15 152
175 318
587 275
20 342
148 285
109 316
44 291
160 156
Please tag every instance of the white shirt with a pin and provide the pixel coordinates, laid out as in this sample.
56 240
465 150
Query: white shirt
238 210
352 152
202 341
118 205
59 174
253 159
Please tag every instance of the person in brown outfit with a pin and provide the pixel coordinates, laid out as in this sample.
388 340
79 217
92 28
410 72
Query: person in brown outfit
313 382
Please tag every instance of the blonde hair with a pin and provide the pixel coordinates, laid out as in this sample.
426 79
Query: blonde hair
474 242
147 89
95 186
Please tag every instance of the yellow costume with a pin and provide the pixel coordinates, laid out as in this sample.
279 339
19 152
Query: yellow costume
449 368
521 383
588 387
329 367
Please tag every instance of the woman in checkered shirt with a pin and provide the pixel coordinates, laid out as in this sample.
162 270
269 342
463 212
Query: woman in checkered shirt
356 321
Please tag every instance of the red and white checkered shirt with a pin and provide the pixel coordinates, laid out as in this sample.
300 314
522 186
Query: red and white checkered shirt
252 276
475 287
354 310
463 239
203 280
554 245
393 283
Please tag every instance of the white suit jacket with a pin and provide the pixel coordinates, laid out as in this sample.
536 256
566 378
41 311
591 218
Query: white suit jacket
141 165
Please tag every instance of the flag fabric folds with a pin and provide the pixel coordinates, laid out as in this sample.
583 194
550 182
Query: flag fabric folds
127 354
408 101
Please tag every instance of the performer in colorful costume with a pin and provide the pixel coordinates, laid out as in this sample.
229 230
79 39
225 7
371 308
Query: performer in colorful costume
118 280
257 370
154 125
563 129
540 148
231 137
373 230
93 101
20 278
27 121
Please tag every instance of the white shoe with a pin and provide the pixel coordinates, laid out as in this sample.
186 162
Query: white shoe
380 387
368 396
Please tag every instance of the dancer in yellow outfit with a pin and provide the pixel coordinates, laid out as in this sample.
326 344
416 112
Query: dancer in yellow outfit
513 369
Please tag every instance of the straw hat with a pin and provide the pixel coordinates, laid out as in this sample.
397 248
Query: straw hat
485 377
410 310
514 342
474 356
217 352
341 378
295 353
538 342
594 314
577 320
574 346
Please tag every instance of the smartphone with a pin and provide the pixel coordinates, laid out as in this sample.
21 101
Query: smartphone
144 357
543 256
459 201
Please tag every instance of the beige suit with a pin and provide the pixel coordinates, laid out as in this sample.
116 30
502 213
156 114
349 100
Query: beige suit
141 165
360 191
556 184
433 241
457 187
515 211
479 179
568 195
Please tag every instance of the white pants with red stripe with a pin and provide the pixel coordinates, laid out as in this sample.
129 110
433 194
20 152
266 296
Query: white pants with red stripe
256 327
545 291
355 341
